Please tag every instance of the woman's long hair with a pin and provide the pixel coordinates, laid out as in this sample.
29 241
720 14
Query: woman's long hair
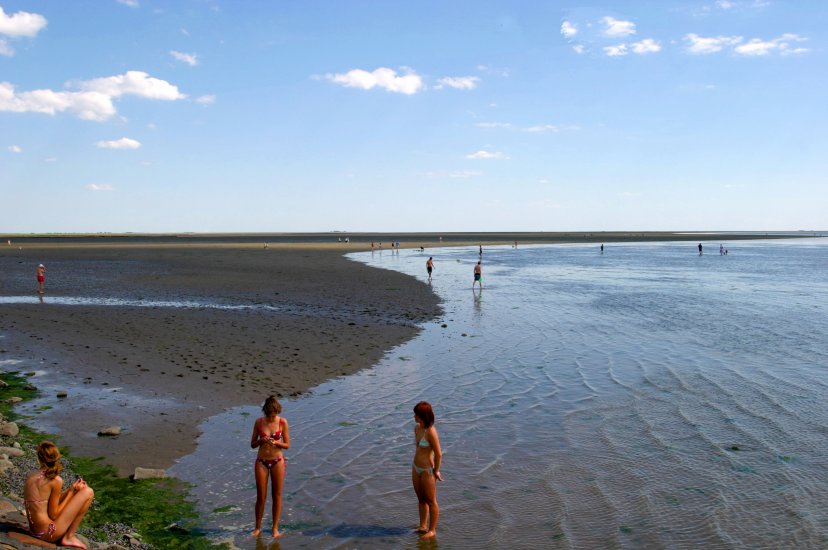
48 455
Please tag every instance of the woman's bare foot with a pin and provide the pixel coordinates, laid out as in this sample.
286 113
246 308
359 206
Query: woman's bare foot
422 529
256 532
429 535
72 541
276 533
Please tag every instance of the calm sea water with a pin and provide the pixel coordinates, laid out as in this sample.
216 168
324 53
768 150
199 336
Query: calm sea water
646 397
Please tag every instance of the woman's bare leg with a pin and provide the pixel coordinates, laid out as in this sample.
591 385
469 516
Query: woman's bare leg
277 478
428 486
422 507
66 525
260 471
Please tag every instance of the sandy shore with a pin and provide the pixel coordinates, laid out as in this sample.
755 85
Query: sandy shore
311 315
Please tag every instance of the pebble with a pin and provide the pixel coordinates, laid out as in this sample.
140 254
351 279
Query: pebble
62 394
110 431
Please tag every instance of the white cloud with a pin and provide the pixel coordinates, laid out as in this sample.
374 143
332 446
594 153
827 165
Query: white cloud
725 4
206 99
579 49
493 125
190 59
568 30
21 23
542 129
94 102
458 82
99 187
616 27
616 51
648 45
462 174
706 45
123 143
484 155
757 47
385 78
133 83
15 149
130 3
5 49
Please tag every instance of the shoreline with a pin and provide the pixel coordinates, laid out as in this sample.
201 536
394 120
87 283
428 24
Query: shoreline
158 372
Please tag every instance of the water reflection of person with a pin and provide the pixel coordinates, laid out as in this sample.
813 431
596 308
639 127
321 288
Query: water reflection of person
271 436
425 471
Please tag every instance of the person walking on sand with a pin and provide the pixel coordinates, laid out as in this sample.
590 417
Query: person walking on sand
54 515
271 436
478 276
41 278
430 266
425 471
700 249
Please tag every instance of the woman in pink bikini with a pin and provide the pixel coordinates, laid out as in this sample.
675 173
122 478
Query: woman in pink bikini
54 515
271 436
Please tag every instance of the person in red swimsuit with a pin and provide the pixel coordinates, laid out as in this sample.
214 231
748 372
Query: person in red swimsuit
271 437
41 277
54 515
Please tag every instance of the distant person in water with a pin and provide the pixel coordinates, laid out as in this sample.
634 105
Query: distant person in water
54 515
700 249
271 437
425 471
721 250
41 278
481 250
478 276
430 266
602 247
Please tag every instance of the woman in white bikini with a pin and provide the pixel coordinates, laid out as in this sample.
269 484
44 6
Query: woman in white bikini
425 471
54 515
271 436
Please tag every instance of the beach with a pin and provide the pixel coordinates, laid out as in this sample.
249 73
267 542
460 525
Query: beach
267 321
168 330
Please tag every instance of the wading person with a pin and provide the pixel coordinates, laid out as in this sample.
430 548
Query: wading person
54 515
41 278
271 437
478 276
425 471
430 266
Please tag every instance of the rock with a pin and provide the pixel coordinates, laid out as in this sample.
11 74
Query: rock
30 387
110 431
3 384
112 546
29 541
15 519
7 506
11 451
9 429
16 445
149 473
62 394
14 400
5 465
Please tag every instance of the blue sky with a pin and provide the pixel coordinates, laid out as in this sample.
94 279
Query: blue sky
205 115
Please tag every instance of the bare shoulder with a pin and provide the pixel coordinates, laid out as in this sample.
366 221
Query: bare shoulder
283 421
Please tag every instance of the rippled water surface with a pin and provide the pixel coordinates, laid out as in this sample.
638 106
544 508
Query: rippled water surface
643 397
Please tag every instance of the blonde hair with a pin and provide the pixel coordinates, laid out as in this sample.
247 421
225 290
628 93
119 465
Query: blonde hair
48 455
271 406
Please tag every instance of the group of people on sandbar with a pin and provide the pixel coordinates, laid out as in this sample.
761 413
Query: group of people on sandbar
271 436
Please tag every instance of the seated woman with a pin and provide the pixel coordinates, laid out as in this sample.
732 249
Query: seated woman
54 514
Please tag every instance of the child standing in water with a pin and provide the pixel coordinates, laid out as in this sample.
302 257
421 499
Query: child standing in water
271 436
425 471
41 277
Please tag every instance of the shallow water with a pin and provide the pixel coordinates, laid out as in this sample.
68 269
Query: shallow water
646 397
